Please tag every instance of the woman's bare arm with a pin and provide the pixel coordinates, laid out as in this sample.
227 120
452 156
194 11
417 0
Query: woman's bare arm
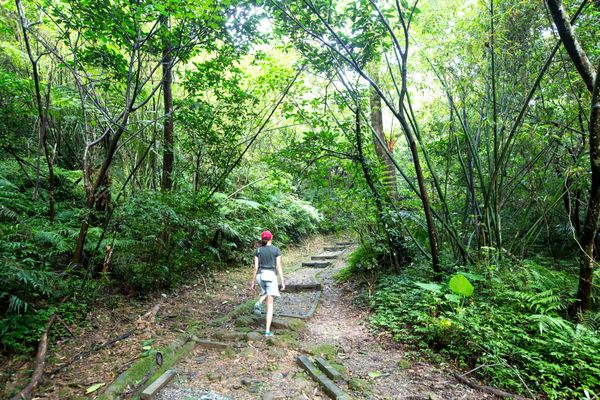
280 271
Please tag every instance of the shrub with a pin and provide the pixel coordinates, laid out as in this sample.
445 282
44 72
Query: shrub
516 335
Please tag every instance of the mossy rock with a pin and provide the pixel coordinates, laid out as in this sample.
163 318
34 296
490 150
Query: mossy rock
328 351
343 370
244 321
357 384
229 335
403 363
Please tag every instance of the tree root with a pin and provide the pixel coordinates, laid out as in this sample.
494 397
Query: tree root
489 389
40 362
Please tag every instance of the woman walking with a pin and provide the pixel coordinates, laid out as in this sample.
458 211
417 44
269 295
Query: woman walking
267 265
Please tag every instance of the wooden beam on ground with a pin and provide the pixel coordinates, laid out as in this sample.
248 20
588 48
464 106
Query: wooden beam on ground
334 248
151 391
328 369
327 384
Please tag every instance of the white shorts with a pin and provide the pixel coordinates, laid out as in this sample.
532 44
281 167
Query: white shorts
270 288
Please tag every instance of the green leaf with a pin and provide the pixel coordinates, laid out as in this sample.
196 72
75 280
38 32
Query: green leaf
95 387
148 342
147 348
433 287
461 285
374 374
452 297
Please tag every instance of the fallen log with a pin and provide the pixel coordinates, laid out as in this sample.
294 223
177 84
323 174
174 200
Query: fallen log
40 362
489 389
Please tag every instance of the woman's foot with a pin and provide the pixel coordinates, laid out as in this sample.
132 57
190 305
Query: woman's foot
269 334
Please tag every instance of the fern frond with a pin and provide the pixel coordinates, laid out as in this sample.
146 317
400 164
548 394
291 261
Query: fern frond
551 323
54 239
8 214
591 320
542 303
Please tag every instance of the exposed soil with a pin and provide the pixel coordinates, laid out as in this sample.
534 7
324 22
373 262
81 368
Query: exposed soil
253 367
374 366
206 298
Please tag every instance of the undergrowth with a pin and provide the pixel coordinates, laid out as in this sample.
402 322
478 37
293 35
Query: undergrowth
159 240
511 327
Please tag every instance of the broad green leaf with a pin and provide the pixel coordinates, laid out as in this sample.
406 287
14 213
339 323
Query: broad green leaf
461 285
452 297
95 387
433 287
374 374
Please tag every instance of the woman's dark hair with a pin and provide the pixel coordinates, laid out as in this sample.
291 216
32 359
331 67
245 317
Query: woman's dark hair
264 242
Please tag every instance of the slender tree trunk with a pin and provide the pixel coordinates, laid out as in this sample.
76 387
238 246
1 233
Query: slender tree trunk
168 139
589 229
41 108
376 195
377 122
590 226
93 192
569 40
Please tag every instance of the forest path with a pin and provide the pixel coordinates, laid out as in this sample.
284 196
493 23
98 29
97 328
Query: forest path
374 367
108 347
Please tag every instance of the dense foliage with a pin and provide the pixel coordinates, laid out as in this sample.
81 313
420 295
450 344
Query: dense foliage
144 142
511 327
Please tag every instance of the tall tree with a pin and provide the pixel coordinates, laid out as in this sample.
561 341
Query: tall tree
591 79
42 107
377 123
316 20
167 87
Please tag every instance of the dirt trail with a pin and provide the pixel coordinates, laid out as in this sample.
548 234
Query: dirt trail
252 368
374 366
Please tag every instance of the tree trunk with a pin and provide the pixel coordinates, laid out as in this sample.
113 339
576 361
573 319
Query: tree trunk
167 180
590 226
569 40
93 193
589 229
377 196
377 122
41 108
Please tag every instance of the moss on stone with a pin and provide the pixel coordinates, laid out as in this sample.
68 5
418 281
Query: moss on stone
327 351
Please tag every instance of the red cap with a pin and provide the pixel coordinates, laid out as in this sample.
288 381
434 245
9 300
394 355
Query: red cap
266 235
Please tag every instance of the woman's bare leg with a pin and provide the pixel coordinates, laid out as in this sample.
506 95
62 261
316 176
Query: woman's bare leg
269 313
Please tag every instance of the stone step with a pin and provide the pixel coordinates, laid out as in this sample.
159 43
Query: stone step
316 264
334 248
329 255
345 243
298 287
210 344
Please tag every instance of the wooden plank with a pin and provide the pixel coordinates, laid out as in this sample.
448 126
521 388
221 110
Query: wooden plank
328 369
158 384
327 384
